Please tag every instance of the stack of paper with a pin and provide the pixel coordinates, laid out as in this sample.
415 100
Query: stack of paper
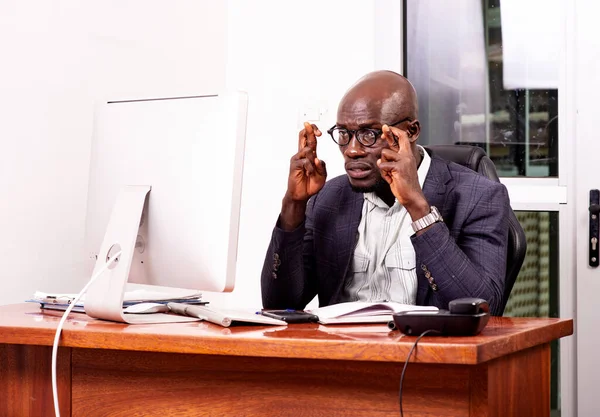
135 300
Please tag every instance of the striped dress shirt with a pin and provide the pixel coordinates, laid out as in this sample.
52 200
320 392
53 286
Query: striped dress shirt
383 265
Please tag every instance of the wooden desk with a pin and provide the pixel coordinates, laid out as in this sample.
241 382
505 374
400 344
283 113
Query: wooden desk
199 369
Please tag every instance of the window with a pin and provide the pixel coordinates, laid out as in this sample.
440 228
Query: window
455 59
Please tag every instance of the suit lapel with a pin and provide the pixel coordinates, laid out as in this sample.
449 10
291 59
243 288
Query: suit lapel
347 222
436 184
436 187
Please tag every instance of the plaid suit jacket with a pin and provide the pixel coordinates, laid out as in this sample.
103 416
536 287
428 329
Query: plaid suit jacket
465 256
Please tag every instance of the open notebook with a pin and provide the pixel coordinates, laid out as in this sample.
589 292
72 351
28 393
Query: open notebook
363 312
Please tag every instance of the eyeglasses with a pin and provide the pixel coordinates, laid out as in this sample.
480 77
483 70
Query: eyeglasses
367 137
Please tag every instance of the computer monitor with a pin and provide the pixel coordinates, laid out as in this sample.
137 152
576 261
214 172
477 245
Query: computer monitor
165 190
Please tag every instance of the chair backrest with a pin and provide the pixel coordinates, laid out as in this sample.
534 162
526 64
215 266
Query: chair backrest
475 158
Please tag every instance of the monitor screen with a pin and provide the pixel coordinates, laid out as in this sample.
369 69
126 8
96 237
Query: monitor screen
188 152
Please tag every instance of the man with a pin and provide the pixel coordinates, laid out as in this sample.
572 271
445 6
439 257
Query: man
399 226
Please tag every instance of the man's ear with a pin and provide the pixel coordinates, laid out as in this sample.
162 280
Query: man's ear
414 129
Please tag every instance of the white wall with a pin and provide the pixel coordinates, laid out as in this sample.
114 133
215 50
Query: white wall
58 57
44 133
285 55
66 54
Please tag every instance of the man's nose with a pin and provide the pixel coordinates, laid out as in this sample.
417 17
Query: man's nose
355 149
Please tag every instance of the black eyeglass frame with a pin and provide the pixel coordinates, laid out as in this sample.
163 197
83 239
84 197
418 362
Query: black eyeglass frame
354 133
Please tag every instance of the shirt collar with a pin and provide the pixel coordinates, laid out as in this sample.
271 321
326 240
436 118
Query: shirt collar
421 173
423 169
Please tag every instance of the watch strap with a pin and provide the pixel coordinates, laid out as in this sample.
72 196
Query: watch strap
427 220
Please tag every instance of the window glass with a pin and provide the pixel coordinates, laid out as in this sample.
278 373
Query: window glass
456 59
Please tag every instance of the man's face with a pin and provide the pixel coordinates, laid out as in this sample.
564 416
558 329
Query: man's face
360 161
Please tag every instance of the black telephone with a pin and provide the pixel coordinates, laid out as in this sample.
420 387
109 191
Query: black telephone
464 317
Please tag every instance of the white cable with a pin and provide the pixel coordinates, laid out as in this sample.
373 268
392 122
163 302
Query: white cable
62 322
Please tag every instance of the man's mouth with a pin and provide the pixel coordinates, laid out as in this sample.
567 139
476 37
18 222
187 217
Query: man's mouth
358 170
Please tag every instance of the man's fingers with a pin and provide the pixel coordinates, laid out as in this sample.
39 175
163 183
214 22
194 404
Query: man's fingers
303 165
308 128
301 140
311 133
388 135
312 129
306 152
321 167
389 155
403 140
308 135
386 165
308 166
386 170
397 139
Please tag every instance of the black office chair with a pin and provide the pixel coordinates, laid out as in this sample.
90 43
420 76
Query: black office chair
475 158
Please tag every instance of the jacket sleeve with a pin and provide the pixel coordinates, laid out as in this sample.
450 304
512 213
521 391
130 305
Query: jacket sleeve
287 279
475 264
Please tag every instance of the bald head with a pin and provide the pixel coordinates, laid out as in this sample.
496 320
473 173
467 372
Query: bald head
380 96
377 99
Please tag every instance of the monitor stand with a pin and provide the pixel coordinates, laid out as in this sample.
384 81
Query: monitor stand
104 299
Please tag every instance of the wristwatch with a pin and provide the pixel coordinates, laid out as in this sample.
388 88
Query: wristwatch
427 220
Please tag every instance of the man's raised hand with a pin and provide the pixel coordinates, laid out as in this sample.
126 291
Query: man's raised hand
399 168
307 172
307 177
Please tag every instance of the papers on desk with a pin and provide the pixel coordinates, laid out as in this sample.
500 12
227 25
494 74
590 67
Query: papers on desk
136 301
58 306
131 296
363 312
